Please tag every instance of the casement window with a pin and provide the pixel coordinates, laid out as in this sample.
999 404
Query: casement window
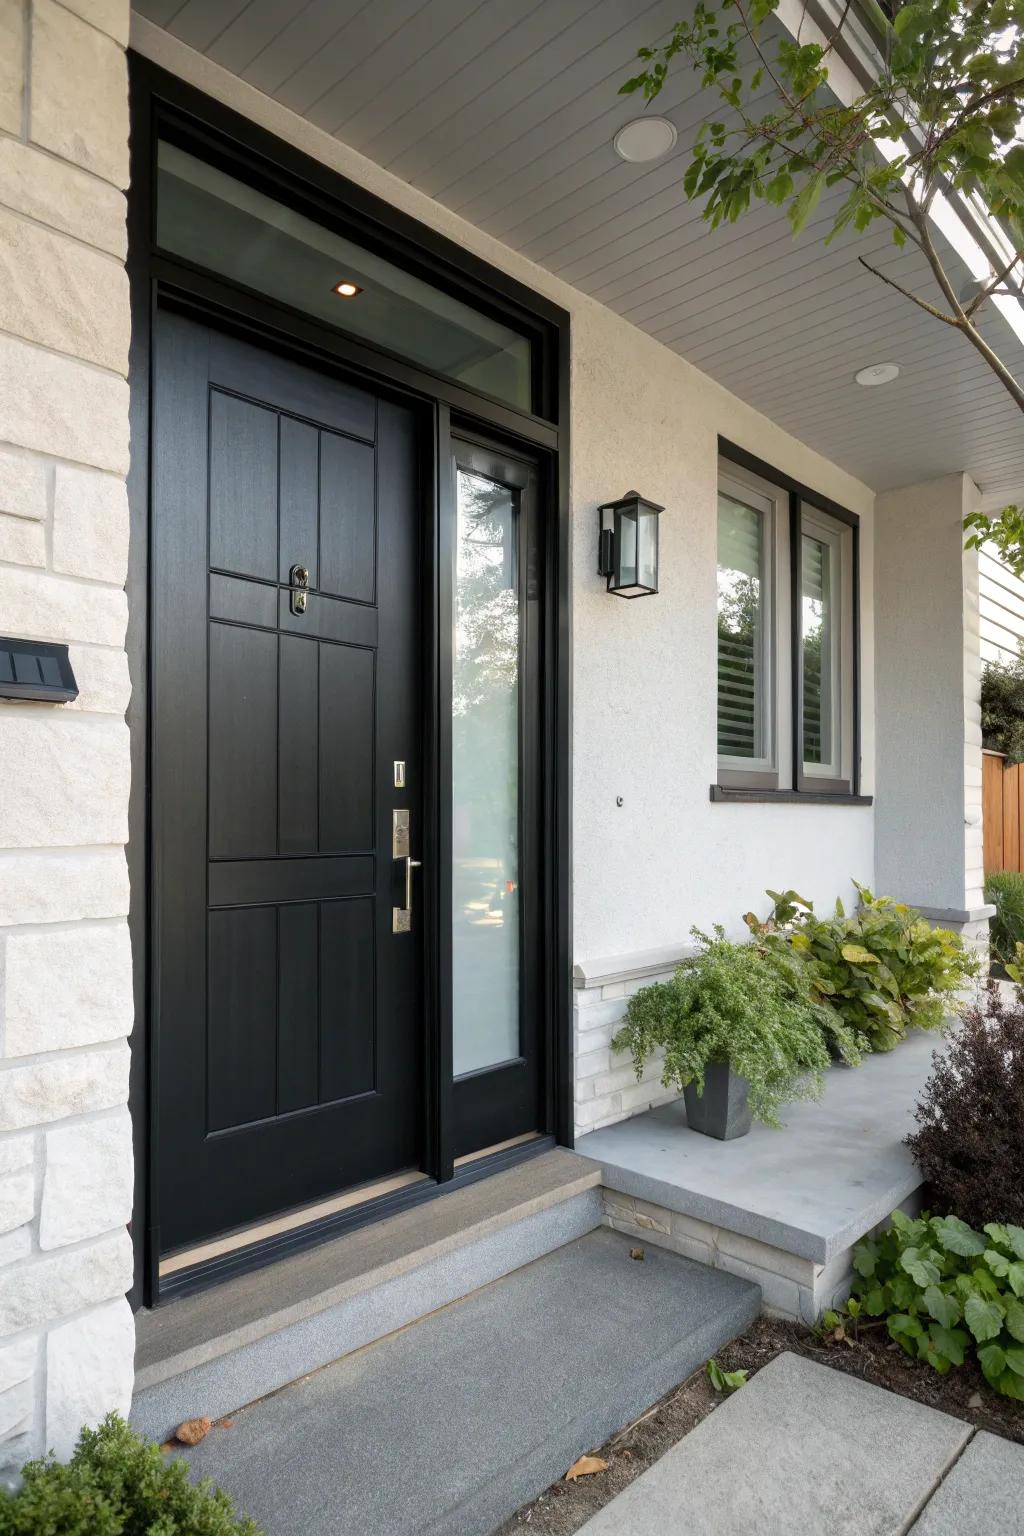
786 638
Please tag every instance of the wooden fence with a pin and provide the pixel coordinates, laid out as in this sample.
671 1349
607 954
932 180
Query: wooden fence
1002 805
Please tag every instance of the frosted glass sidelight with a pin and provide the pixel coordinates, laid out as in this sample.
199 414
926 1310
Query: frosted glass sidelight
485 776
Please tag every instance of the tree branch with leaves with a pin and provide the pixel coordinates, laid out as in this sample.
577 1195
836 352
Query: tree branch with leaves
942 116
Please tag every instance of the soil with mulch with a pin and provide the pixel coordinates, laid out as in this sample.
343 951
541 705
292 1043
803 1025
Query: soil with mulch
963 1393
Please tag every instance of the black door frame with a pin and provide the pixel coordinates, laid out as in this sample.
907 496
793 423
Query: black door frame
162 103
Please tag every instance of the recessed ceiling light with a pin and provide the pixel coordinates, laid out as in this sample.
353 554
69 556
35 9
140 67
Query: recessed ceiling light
346 290
645 138
878 373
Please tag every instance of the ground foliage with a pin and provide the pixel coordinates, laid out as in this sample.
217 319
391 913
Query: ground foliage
944 1291
116 1485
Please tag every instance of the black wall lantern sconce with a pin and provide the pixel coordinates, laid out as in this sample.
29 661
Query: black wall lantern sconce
628 545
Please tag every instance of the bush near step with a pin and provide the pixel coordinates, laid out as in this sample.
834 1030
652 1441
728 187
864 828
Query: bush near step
116 1485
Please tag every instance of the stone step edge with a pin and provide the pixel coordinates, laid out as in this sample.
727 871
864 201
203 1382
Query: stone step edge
546 1461
221 1383
273 1322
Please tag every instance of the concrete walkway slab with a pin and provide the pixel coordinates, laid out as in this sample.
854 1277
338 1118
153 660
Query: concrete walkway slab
446 1427
983 1494
836 1169
800 1449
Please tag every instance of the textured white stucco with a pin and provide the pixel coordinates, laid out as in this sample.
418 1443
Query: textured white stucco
928 704
644 671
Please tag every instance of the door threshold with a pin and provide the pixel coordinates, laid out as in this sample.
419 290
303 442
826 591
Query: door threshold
302 1216
498 1146
240 1252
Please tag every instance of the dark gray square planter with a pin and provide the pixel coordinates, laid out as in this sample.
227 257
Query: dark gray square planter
722 1109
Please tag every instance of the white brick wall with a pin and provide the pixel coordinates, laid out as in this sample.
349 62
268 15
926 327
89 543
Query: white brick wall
66 1330
791 1286
606 1086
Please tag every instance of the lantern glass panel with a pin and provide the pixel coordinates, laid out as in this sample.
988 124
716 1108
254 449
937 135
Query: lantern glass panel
627 562
647 553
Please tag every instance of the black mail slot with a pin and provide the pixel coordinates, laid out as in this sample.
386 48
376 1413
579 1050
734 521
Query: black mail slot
36 669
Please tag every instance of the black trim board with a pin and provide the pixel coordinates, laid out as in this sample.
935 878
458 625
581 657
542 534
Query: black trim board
155 94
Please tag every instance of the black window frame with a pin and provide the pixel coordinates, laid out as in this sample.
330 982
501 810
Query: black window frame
803 788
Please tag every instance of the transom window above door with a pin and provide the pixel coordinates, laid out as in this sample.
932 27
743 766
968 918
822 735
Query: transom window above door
223 224
787 704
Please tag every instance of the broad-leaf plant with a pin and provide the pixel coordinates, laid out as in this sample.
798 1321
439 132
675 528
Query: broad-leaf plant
944 1292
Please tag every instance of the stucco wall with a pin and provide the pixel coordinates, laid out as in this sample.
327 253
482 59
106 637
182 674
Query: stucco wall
644 671
928 703
66 1330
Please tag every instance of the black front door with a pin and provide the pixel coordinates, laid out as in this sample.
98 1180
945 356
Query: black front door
286 732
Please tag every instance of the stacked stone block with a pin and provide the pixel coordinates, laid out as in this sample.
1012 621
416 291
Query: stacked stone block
66 1008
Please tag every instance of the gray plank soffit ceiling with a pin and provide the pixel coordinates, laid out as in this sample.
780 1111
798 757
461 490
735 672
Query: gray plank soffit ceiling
505 110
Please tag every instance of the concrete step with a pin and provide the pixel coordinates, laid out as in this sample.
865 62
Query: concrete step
213 1351
445 1428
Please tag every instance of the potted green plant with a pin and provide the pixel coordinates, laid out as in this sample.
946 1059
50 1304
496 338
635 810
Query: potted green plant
740 1033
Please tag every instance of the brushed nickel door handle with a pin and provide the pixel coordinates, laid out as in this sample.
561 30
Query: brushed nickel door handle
401 917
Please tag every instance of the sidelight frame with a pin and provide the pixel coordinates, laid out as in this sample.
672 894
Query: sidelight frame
160 101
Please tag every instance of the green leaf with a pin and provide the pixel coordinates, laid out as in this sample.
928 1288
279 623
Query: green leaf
904 1329
995 1230
1015 1237
942 1306
920 1265
1010 1270
1011 1385
725 1381
804 204
950 1342
992 1359
858 955
983 1318
1015 1360
865 1258
957 1237
875 1301
1015 1319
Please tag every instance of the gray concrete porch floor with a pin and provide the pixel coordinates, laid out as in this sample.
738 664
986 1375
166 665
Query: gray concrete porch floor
805 1448
448 1426
836 1170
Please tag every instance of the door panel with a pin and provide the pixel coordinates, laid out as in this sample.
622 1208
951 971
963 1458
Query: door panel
289 1015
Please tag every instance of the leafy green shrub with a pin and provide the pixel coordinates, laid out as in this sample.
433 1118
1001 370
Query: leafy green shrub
735 1003
945 1292
969 1141
883 968
1005 889
1002 708
116 1485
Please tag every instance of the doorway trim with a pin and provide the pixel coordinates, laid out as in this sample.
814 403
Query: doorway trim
158 98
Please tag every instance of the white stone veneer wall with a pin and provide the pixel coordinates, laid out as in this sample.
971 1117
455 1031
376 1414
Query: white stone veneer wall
606 1084
791 1286
66 1329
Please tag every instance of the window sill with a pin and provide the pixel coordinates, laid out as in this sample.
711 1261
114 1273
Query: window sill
722 794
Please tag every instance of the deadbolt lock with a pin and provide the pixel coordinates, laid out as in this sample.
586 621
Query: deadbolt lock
299 578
